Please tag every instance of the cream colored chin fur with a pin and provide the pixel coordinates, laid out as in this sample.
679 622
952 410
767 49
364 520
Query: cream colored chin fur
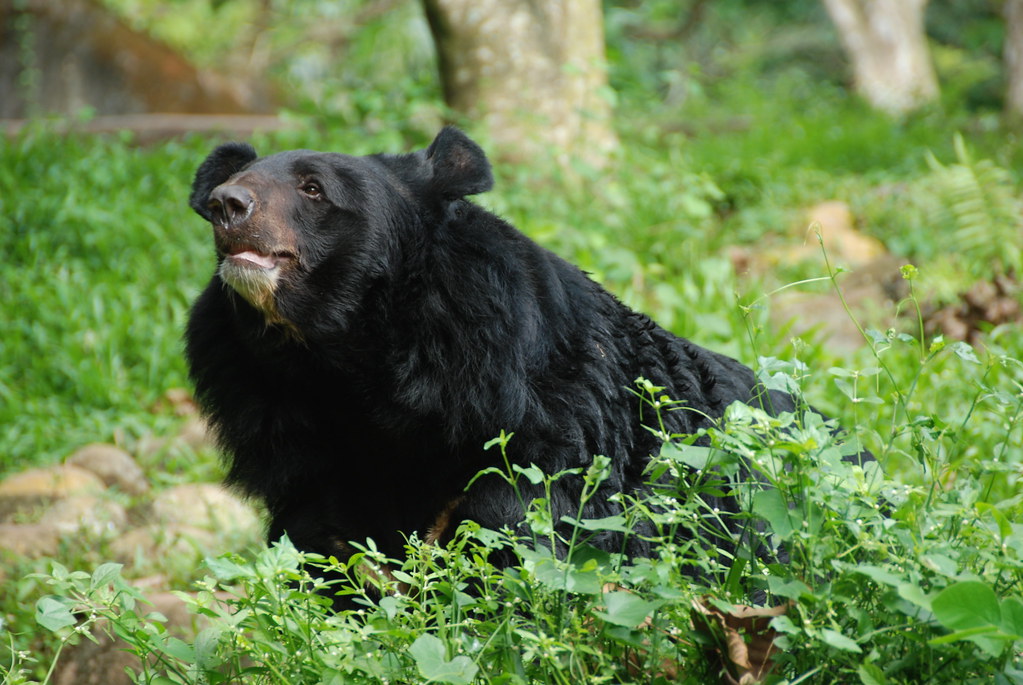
257 286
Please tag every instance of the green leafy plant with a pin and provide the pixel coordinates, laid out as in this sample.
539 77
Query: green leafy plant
980 200
875 578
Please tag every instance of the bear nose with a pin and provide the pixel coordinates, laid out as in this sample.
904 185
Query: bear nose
230 204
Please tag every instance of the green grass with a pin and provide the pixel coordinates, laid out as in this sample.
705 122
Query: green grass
101 262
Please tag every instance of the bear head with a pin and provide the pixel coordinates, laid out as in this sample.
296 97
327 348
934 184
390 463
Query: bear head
301 233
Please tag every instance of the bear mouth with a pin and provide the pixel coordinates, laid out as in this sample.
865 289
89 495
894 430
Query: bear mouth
250 258
255 275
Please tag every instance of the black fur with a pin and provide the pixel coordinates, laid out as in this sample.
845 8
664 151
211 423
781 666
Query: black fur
414 327
226 159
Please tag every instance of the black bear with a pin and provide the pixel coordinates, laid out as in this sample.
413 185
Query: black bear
368 329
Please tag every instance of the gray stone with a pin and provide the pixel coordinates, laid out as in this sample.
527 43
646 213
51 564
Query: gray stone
164 545
27 491
95 515
30 539
203 505
196 434
113 465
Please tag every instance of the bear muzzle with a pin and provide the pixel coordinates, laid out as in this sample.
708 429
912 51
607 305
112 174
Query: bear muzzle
253 239
230 205
250 267
251 258
254 276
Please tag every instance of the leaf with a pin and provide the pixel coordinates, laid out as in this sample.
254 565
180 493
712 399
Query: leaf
744 638
224 569
206 643
915 595
429 654
612 523
501 440
1003 523
784 624
876 337
588 554
178 649
693 456
839 641
582 581
965 352
578 578
771 506
870 674
988 638
790 589
538 516
106 574
971 611
532 473
878 574
627 609
940 563
54 613
967 604
1012 616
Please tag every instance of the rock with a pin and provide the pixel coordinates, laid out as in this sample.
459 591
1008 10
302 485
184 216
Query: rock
163 546
178 401
95 515
196 434
869 291
50 482
193 436
842 241
203 505
845 245
816 315
186 524
32 540
28 490
113 465
151 447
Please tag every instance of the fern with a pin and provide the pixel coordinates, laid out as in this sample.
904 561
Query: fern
978 199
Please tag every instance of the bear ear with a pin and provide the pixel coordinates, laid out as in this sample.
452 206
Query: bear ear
459 165
225 161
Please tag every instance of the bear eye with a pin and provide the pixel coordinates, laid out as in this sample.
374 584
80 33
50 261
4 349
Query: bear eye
311 189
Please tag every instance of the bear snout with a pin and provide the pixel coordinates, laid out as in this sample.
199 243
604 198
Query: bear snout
230 205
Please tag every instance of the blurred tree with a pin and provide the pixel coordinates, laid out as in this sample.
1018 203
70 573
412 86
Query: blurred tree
533 72
886 43
1014 58
66 56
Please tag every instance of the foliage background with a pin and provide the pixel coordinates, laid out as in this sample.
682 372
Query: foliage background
730 125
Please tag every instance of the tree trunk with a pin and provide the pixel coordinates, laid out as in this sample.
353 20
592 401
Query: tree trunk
1014 59
886 43
531 71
